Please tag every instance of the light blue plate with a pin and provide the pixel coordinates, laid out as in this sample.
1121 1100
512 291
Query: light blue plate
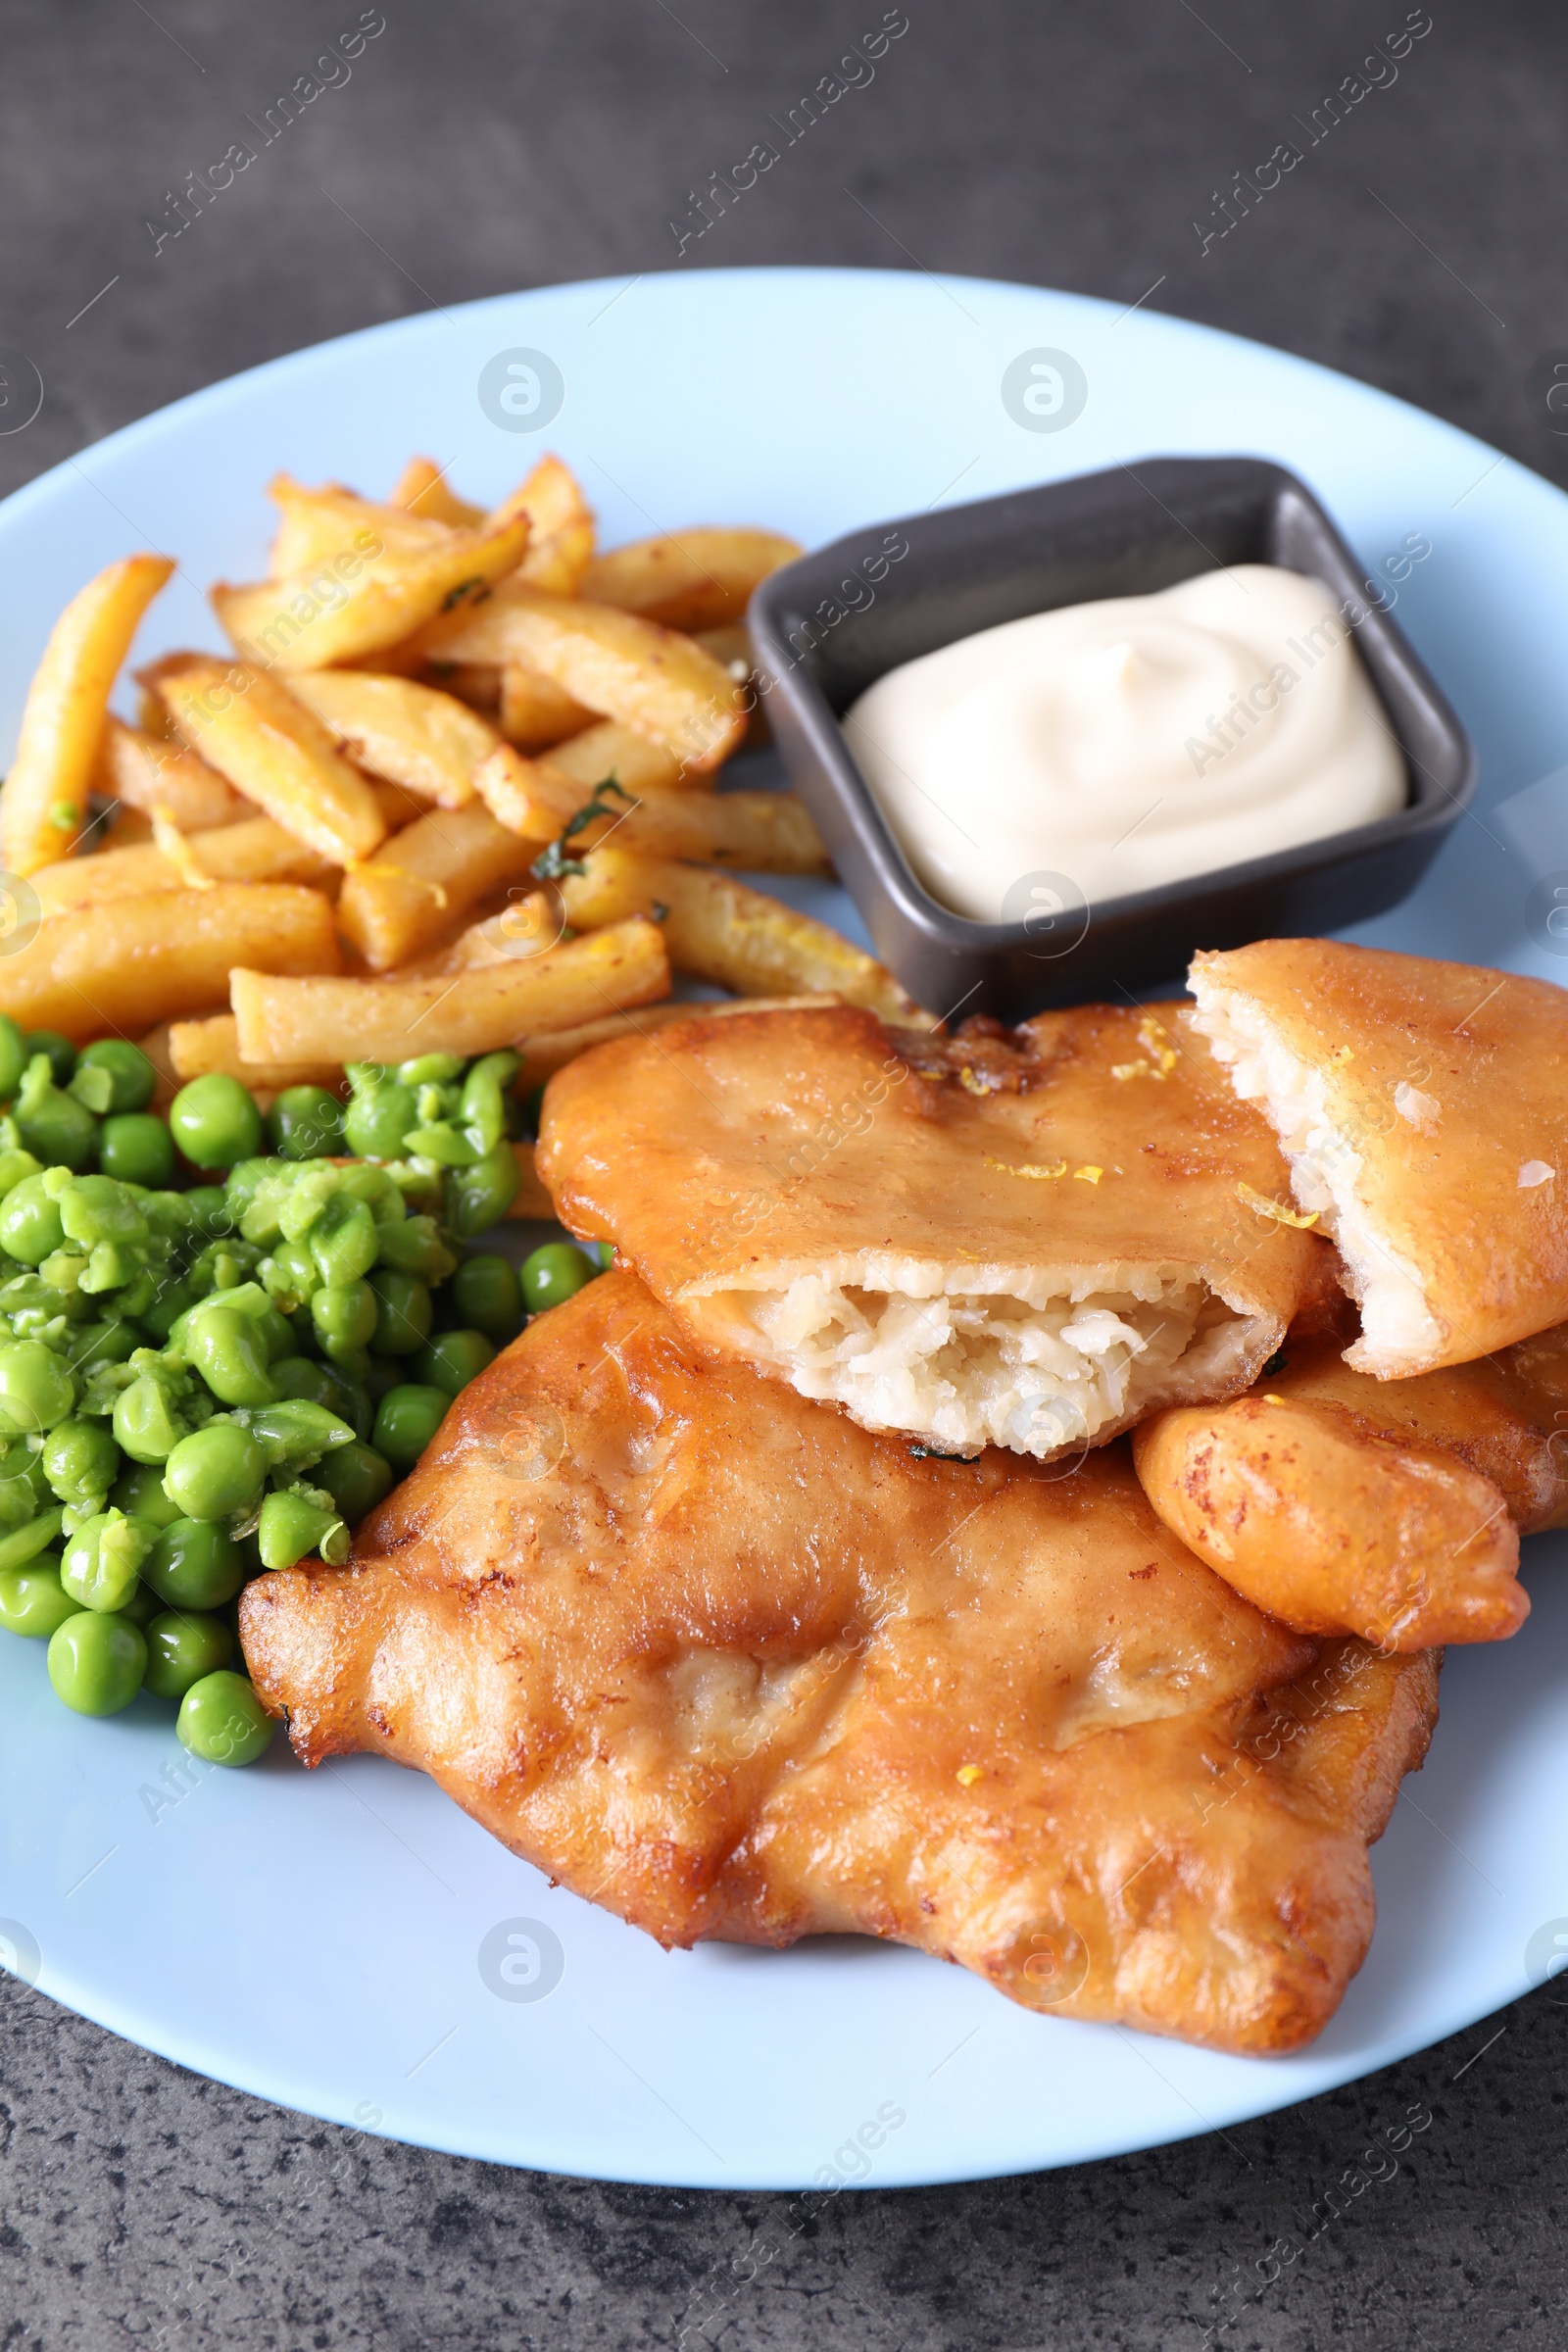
318 1938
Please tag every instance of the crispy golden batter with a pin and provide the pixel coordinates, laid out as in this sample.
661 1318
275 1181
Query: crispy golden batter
736 1669
1424 1111
1387 1508
1026 1240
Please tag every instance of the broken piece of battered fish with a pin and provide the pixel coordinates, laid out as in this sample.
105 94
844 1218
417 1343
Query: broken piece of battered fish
1423 1107
736 1669
1025 1240
1391 1509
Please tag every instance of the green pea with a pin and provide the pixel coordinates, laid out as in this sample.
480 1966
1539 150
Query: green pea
479 1197
60 1049
214 1121
15 1167
36 1389
141 1608
403 1313
552 1274
292 1527
96 1662
138 1492
344 1319
377 1118
222 1721
194 1564
382 1372
601 1254
343 1241
114 1341
145 1422
210 1210
486 1297
13 1056
356 1477
406 1420
23 1544
413 1246
450 1361
32 1228
33 1599
305 1122
80 1460
215 1470
136 1147
134 1079
326 1385
56 1129
101 1565
430 1069
181 1650
229 1352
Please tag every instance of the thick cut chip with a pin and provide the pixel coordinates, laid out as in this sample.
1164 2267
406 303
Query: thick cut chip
422 882
137 962
978 1243
369 597
1389 1509
196 1049
533 712
652 679
422 488
700 579
761 832
253 851
316 526
733 1668
393 1021
1423 1107
45 803
272 749
410 735
145 771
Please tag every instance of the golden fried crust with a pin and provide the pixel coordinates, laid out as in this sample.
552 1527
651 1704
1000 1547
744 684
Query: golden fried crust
1333 1527
1449 1085
737 1669
1098 1150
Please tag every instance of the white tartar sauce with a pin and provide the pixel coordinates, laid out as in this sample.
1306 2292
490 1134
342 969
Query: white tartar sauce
1129 743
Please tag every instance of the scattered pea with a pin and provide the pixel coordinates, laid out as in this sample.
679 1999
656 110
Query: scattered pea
305 1122
136 1147
486 1297
36 1386
138 1492
181 1650
13 1056
356 1477
194 1564
132 1076
101 1565
214 1121
406 1420
405 1312
214 1471
344 1319
292 1527
96 1662
454 1358
30 1225
60 1049
552 1274
222 1721
33 1599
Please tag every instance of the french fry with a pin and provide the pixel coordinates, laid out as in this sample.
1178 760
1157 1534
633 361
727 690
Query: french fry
608 749
651 678
719 930
424 879
528 927
410 734
388 1020
147 771
196 1049
477 683
562 523
367 597
764 832
45 801
559 561
272 749
536 713
155 1044
541 1056
253 851
422 488
731 647
695 581
314 525
162 957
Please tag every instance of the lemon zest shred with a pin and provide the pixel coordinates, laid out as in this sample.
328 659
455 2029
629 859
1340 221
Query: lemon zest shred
1251 1197
1087 1175
968 1774
1007 1169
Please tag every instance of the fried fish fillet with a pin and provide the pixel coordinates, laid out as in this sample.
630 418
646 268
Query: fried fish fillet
1391 1509
736 1669
1025 1240
1423 1107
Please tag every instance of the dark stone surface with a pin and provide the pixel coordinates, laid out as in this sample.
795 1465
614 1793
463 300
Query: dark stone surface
481 147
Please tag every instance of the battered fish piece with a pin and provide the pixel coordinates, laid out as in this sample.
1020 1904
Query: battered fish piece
1391 1509
730 1666
1423 1107
1025 1239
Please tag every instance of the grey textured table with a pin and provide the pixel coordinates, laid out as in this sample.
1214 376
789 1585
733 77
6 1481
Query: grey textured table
476 148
